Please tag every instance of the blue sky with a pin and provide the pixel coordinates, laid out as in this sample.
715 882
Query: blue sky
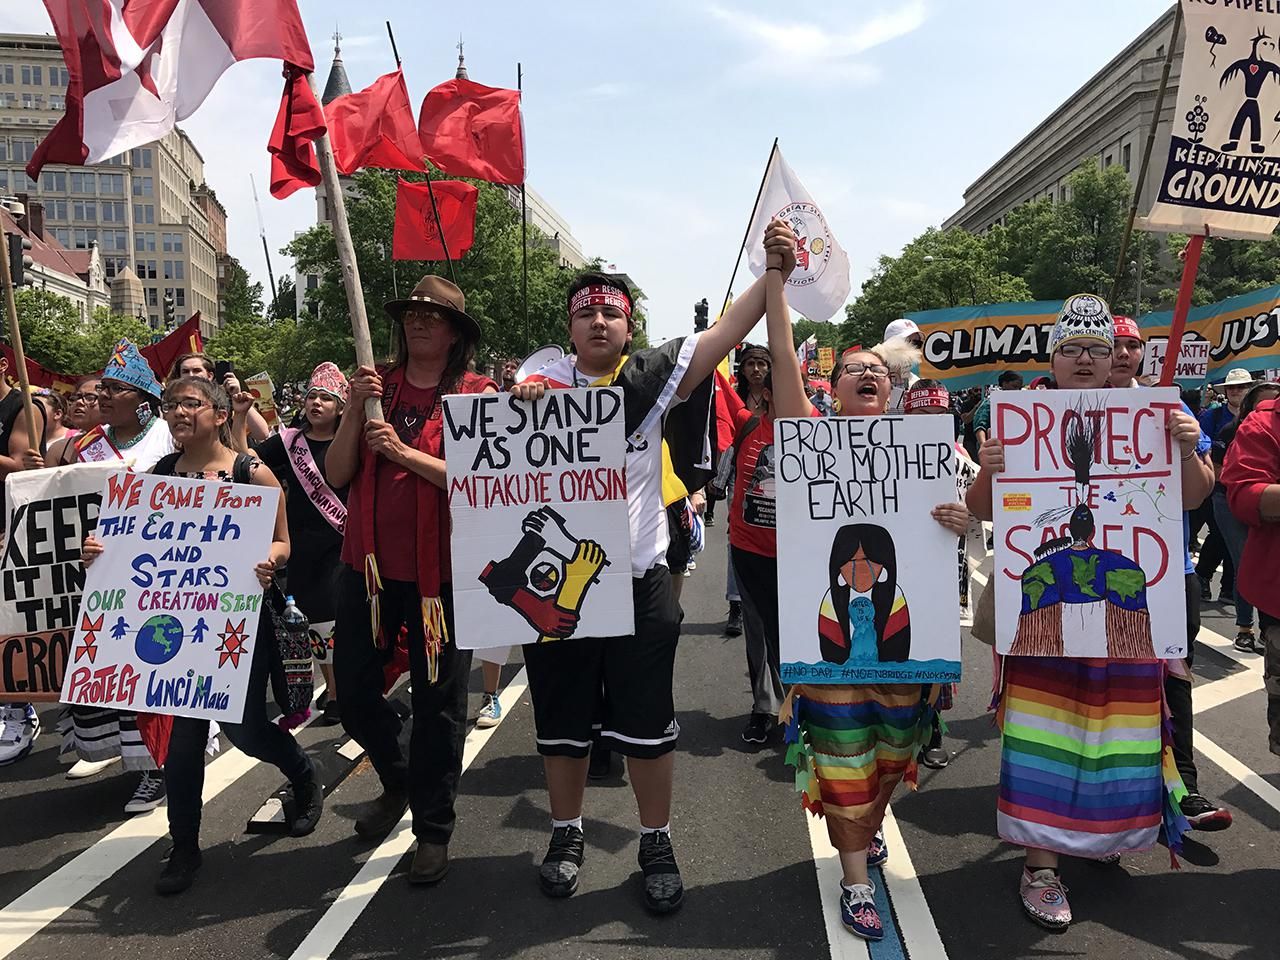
648 124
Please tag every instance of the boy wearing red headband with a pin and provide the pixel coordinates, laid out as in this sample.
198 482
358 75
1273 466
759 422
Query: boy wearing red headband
1126 357
666 396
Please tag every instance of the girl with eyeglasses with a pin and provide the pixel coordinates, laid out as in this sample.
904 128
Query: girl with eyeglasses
82 416
198 413
863 738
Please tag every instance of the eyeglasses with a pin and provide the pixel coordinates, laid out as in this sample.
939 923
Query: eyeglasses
857 369
88 398
1073 351
115 389
189 404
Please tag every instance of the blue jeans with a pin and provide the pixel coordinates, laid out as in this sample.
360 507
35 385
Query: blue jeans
1234 534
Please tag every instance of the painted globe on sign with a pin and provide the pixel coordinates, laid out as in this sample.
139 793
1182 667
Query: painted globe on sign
159 639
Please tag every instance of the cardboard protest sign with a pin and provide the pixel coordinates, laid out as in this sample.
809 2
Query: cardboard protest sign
1222 172
41 576
1088 524
264 397
169 618
541 545
826 360
868 575
1193 358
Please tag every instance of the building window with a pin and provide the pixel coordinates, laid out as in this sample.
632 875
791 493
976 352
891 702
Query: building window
57 101
113 211
143 187
144 213
32 76
1107 161
6 73
140 157
173 243
4 149
85 211
1126 157
144 242
146 269
180 296
23 149
83 182
53 181
111 184
81 238
115 241
55 210
153 297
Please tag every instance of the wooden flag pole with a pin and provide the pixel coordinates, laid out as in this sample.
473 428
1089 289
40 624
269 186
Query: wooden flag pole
1190 266
1146 160
346 258
747 233
15 342
435 212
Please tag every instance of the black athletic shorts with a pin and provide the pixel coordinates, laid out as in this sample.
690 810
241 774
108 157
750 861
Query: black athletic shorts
618 686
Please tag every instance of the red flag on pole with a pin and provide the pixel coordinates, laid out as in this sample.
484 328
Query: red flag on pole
417 236
300 120
137 67
470 130
375 128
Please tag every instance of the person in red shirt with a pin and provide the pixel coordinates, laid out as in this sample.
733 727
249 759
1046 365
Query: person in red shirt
1251 475
396 546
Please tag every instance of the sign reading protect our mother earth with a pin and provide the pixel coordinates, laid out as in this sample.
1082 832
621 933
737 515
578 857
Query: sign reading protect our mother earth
1088 525
1222 173
538 497
168 620
869 576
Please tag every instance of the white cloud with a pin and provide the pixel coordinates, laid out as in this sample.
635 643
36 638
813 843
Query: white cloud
24 17
780 45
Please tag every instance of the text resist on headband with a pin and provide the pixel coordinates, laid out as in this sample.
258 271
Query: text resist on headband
600 296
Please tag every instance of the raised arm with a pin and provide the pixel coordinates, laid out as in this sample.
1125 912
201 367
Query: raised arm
789 398
742 316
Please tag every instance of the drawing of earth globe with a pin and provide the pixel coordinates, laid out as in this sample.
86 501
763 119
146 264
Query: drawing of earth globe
159 639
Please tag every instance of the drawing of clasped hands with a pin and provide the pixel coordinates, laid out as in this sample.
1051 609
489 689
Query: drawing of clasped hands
583 560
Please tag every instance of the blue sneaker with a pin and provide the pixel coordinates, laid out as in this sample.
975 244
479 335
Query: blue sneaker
490 712
877 851
858 911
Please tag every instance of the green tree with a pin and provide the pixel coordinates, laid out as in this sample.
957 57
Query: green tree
285 305
54 336
242 300
489 274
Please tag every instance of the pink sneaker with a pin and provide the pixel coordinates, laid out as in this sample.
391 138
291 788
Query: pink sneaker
1044 898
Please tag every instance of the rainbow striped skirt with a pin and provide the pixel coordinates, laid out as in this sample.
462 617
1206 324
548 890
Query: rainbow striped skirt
1085 766
851 746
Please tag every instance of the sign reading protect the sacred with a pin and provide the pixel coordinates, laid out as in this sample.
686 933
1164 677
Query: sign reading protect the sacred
869 576
41 576
1088 524
538 498
1223 169
169 618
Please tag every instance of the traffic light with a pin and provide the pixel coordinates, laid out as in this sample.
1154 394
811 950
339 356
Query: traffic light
169 321
19 260
700 315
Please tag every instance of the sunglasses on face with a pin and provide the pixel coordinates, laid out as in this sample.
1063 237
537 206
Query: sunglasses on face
857 369
1073 351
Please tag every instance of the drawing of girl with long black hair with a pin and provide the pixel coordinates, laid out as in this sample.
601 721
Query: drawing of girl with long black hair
864 616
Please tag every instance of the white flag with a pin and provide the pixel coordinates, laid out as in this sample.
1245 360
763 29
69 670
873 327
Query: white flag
820 284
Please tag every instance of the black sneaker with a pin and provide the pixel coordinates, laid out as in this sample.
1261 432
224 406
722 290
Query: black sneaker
558 876
733 626
758 728
1206 591
308 804
935 758
1247 642
179 870
332 714
663 888
1203 815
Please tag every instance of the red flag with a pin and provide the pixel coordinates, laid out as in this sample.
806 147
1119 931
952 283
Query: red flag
375 128
416 235
300 120
139 66
470 130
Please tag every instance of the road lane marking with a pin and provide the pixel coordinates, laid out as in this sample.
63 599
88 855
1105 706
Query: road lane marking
342 914
916 925
57 893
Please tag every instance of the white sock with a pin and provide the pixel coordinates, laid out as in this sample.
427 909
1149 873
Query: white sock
645 831
557 824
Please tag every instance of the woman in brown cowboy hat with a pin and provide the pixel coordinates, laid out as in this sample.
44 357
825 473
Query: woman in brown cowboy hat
396 547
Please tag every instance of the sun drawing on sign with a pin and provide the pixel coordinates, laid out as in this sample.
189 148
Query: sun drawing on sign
234 644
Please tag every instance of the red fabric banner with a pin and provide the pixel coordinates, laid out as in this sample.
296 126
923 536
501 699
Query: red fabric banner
300 120
470 130
375 128
417 236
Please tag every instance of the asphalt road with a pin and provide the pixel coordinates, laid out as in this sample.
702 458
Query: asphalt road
76 873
